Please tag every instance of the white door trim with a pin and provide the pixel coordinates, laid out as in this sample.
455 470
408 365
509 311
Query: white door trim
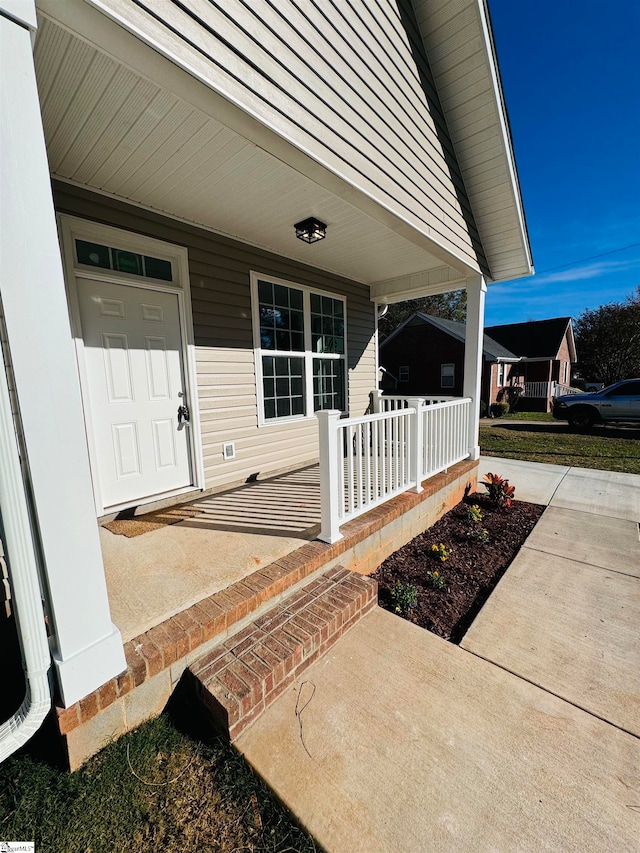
72 228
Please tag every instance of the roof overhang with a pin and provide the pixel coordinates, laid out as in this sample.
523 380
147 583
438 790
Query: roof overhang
459 45
256 183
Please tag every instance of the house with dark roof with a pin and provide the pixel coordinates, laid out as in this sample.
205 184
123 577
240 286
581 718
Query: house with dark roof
425 357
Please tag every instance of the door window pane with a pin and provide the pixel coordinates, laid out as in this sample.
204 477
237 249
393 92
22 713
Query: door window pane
93 254
157 268
127 261
109 258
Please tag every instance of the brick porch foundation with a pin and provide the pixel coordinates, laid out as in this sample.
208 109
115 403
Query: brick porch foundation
157 659
240 679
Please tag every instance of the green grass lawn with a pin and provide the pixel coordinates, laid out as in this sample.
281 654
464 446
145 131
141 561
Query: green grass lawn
155 789
606 449
528 416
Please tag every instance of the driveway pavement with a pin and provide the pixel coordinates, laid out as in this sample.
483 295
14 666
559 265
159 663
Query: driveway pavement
524 738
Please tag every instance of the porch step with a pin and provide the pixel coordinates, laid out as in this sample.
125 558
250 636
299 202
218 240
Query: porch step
239 679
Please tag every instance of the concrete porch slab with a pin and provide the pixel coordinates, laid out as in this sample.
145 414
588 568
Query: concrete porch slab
414 744
152 577
610 543
534 481
608 493
570 628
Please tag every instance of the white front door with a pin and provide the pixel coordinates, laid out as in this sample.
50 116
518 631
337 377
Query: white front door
136 382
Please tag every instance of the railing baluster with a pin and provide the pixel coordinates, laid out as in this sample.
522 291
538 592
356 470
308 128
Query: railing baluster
342 506
382 425
402 449
349 448
389 455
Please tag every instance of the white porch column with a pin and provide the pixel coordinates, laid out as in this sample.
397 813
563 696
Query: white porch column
86 646
476 289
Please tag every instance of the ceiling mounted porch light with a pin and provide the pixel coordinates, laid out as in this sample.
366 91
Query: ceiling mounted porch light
310 230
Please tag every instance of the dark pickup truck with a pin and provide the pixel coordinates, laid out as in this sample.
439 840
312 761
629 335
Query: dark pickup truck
619 402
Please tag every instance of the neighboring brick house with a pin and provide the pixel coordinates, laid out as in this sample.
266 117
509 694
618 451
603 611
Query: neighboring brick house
425 357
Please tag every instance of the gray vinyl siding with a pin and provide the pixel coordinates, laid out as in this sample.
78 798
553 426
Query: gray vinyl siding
219 271
347 81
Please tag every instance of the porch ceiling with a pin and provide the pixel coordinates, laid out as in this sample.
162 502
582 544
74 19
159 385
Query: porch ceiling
112 129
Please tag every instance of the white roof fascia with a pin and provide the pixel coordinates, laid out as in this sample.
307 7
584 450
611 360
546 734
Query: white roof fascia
573 356
431 15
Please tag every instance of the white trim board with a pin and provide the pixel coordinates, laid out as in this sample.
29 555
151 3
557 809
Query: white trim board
72 228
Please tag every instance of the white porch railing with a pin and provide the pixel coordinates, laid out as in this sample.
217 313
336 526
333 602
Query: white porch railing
391 403
547 389
537 389
559 389
365 461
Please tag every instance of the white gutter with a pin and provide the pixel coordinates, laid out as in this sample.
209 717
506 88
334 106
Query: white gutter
20 550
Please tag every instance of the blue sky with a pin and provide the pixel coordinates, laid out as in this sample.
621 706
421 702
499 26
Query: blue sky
571 75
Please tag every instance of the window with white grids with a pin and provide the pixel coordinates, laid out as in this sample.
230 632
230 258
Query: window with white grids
300 342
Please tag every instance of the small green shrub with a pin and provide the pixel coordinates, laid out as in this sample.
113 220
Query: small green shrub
474 514
404 596
510 394
480 534
440 552
483 409
500 492
499 410
437 580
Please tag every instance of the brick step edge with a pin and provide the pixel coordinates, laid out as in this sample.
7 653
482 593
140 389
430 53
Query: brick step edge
239 679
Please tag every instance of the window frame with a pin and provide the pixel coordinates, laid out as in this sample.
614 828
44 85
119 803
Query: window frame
501 377
453 374
308 355
403 373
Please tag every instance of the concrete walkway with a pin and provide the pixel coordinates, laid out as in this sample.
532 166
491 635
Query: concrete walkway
524 738
566 614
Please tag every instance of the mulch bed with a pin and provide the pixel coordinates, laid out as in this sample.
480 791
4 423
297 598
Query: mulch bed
471 571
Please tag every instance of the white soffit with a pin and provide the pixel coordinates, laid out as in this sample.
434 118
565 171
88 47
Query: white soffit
112 129
459 45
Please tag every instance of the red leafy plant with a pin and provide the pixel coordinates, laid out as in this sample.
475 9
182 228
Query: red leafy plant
500 492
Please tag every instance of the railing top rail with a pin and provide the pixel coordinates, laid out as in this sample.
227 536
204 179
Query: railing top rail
377 416
419 397
456 401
